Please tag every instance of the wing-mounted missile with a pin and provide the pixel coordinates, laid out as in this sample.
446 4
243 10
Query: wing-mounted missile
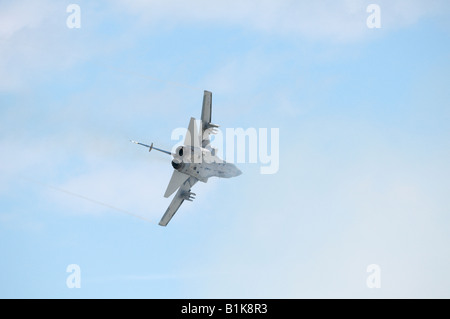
209 128
189 196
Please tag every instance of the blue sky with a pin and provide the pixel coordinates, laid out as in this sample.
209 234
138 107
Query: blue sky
364 149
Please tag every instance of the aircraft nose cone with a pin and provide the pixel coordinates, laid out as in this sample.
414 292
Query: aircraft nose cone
232 170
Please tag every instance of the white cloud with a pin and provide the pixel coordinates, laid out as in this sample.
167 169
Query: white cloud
109 173
19 21
326 19
34 37
125 188
17 16
35 40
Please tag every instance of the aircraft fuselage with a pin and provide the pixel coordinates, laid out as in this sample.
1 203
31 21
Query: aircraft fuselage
201 164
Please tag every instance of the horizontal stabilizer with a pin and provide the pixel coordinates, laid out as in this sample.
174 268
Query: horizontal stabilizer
175 182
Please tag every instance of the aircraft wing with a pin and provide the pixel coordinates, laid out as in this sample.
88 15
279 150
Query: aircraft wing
184 193
207 127
206 108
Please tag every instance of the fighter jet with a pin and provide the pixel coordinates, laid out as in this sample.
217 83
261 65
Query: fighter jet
194 161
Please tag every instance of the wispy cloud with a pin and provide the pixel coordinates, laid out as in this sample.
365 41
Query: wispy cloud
341 21
20 16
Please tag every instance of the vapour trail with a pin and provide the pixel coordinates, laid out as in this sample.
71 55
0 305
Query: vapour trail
86 198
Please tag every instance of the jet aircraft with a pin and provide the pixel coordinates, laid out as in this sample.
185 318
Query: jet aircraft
196 160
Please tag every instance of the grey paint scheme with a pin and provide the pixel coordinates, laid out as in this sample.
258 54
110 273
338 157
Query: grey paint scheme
195 161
